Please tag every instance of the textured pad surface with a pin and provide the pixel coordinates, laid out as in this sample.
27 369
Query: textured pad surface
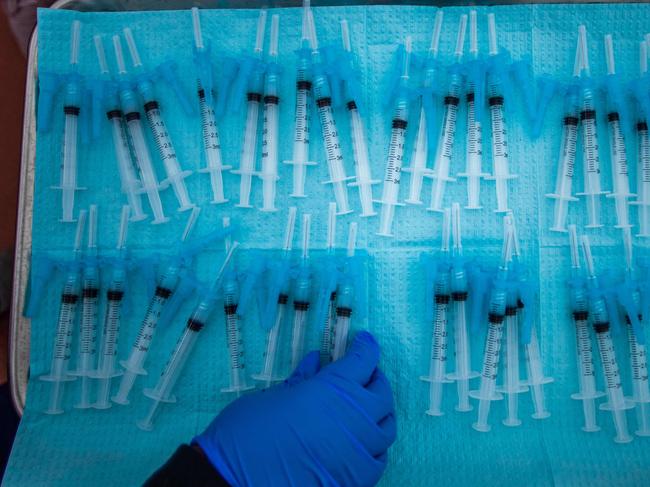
93 447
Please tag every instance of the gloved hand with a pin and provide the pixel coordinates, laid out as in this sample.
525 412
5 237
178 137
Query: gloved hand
320 427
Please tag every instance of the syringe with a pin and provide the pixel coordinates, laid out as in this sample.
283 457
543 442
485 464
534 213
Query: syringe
251 79
301 297
474 133
209 127
496 79
89 304
325 312
643 150
331 142
445 144
585 360
270 130
131 185
440 296
617 121
276 306
71 108
590 148
300 158
67 313
616 403
393 174
425 144
183 348
345 294
363 176
175 175
459 295
166 285
129 103
496 314
234 337
106 364
630 297
568 143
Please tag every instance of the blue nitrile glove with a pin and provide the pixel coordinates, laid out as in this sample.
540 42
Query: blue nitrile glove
329 426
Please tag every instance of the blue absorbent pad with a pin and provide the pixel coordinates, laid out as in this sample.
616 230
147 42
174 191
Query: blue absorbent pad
92 447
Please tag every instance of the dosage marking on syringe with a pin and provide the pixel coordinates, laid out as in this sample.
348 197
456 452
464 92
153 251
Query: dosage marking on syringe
351 105
114 114
303 85
163 292
132 116
452 100
195 325
573 121
114 295
69 298
271 100
71 110
613 117
588 115
90 292
601 327
495 101
151 105
254 97
324 102
399 124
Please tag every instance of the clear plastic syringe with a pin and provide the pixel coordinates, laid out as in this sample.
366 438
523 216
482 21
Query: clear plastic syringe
166 285
568 149
276 308
59 373
474 132
71 108
331 142
616 401
107 364
363 176
209 128
327 303
89 303
643 154
175 175
130 104
130 183
344 301
495 85
422 146
459 294
254 87
630 297
496 313
616 119
441 297
393 175
590 156
445 144
234 337
271 129
301 297
173 369
300 158
578 297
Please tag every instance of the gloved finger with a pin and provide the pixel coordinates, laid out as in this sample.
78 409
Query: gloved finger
375 400
360 361
306 369
389 426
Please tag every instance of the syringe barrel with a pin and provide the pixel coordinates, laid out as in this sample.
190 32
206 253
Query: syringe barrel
111 327
72 93
320 83
65 327
344 298
303 68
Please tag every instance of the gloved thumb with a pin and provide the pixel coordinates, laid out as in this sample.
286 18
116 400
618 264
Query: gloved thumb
360 361
306 369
